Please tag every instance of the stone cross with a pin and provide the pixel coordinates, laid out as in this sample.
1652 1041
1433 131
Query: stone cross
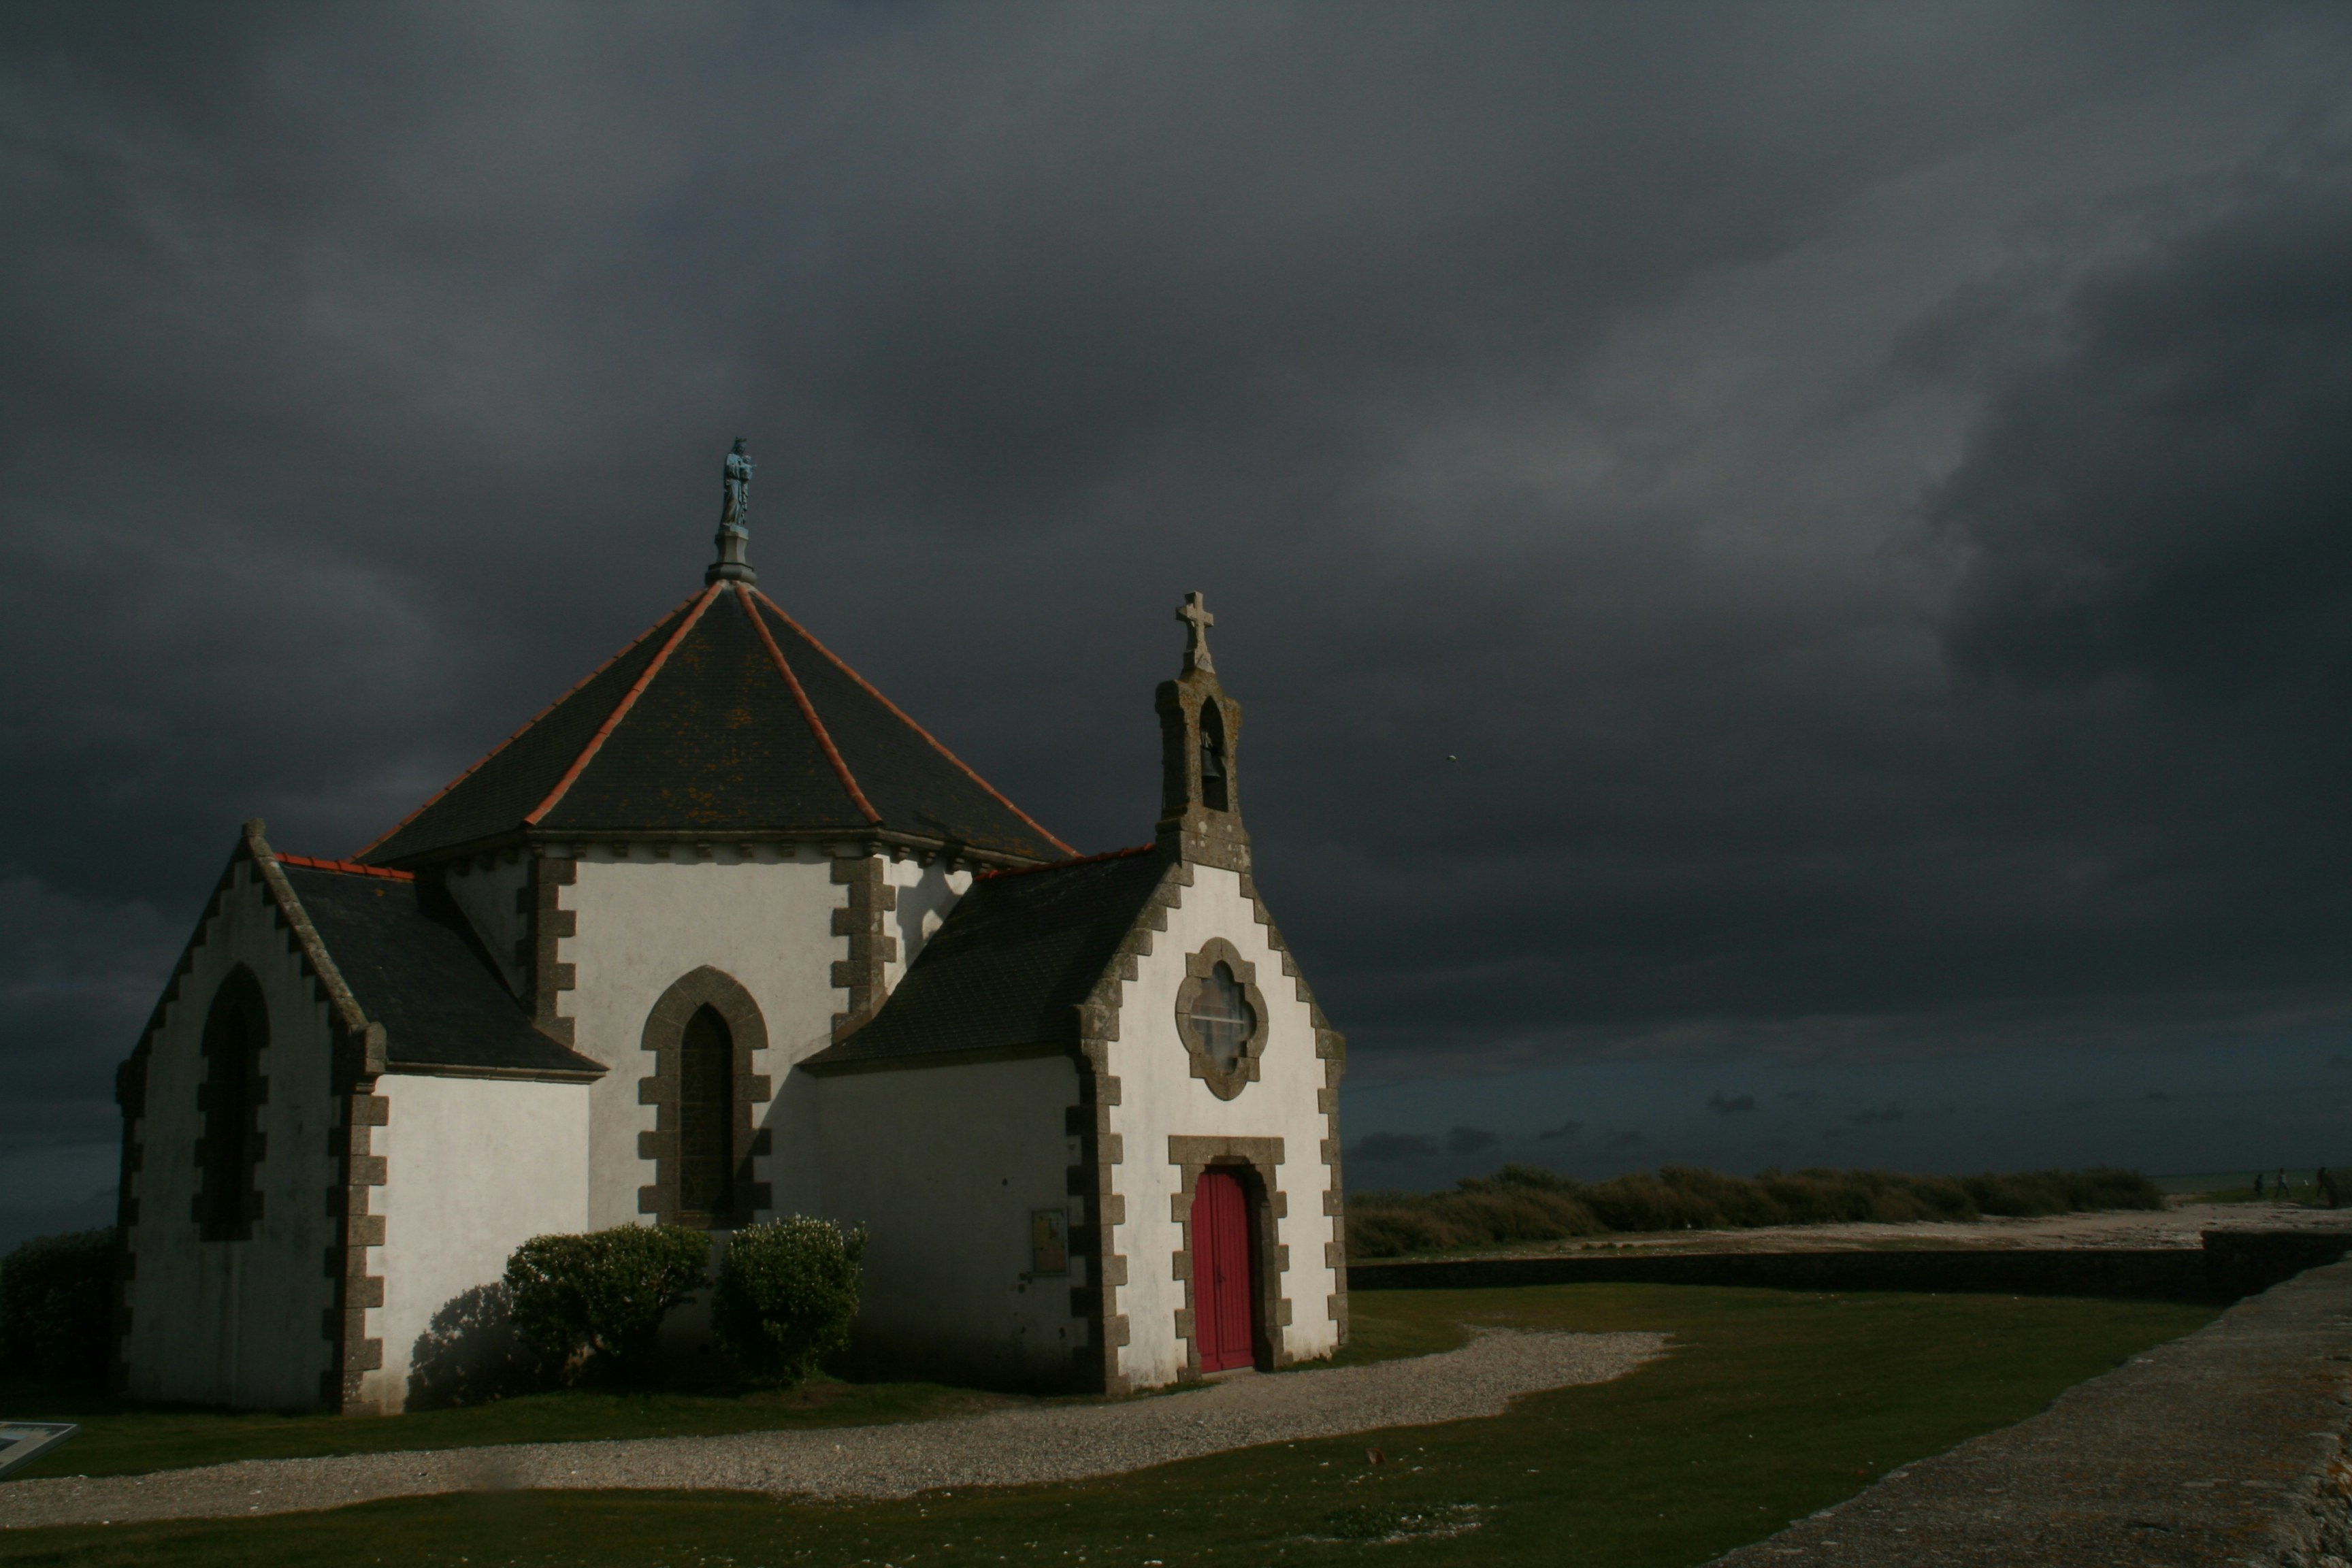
1197 621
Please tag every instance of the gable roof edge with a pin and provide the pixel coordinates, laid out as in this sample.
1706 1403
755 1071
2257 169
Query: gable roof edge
808 709
1097 1016
621 710
900 714
348 1011
1328 1041
253 846
389 834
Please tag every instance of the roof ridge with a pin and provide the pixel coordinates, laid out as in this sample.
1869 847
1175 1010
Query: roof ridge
621 710
1125 854
347 867
808 709
389 834
268 865
901 715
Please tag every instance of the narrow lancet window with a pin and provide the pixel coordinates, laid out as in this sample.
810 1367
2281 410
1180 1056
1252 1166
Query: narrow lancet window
706 1104
1215 792
237 1031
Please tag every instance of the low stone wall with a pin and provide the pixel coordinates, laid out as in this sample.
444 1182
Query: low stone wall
2224 1447
2231 1265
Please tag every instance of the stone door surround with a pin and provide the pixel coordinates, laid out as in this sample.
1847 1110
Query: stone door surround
1255 1160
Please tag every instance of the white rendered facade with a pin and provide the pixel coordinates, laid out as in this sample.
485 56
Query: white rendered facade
1161 1102
473 1167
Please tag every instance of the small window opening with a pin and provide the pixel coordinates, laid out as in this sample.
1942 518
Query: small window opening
706 1105
1222 1019
237 1031
1215 792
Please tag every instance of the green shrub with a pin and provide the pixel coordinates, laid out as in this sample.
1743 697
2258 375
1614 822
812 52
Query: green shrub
57 1294
603 1294
787 1292
1389 1225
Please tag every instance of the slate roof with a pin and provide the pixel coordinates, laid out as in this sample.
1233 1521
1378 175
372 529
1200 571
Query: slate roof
726 717
414 967
1010 964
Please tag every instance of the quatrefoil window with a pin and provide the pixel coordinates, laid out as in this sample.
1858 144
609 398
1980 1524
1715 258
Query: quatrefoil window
1220 1017
1223 1020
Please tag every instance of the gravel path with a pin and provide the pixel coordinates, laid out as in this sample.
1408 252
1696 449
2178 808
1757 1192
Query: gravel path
1006 1447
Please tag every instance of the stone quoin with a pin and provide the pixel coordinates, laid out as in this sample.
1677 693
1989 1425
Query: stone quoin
723 934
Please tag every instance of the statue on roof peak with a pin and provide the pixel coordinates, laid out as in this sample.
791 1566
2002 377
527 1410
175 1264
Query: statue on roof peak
736 509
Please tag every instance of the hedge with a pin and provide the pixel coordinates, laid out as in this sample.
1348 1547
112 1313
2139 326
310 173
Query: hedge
57 1294
604 1295
1524 1202
787 1293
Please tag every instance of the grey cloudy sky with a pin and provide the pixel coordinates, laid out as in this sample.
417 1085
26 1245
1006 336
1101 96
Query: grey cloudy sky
1803 540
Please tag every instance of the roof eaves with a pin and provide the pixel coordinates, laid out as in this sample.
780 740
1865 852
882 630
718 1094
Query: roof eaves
511 1075
902 718
843 1058
808 709
1128 854
345 868
621 710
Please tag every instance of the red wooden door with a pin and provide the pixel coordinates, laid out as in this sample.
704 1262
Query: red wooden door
1224 1296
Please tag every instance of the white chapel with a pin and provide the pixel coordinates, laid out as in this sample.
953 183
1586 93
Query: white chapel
723 934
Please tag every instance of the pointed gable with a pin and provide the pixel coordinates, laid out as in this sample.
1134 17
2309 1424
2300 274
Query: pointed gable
715 742
725 718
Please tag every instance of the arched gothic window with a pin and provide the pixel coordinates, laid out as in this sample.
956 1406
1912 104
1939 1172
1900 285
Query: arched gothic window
1221 1019
1215 792
237 1031
706 1106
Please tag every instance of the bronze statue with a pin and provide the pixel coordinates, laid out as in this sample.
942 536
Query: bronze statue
736 509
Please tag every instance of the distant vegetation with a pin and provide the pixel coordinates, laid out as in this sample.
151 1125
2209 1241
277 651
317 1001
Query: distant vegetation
1522 1203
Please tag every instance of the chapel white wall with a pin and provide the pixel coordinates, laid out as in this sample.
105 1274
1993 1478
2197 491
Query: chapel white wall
766 919
644 923
925 895
1160 1098
473 1168
235 1322
944 1165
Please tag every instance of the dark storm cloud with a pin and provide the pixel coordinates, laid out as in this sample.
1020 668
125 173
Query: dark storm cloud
1768 529
1387 1148
1730 1105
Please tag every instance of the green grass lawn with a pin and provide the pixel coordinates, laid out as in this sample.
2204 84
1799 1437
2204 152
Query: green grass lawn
1773 1405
